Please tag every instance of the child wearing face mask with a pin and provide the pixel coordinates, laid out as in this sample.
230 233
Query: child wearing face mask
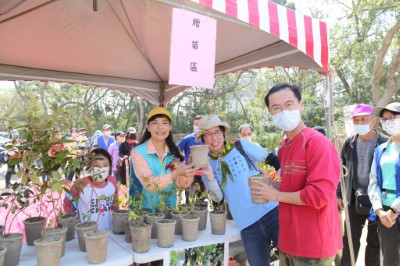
96 193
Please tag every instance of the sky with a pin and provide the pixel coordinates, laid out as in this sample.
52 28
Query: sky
6 84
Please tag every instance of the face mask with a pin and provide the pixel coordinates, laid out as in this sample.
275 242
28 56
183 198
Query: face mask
100 173
361 129
196 130
108 133
287 120
249 138
392 127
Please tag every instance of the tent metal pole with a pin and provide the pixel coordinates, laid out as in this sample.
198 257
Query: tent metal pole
328 106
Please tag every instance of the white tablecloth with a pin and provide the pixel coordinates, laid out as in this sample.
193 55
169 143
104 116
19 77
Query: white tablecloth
205 238
121 253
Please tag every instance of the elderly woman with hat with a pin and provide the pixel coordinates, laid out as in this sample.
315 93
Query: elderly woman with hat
229 170
157 163
384 184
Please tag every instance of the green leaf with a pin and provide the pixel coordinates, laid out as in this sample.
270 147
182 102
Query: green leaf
76 163
56 187
55 175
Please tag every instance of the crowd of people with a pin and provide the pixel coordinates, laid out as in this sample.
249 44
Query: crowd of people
301 216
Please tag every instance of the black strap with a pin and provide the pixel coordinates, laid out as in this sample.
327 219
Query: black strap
239 147
390 191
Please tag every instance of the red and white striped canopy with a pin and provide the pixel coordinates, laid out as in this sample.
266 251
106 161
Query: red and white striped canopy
124 44
307 34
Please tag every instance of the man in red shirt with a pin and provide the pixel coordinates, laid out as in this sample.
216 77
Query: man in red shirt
309 229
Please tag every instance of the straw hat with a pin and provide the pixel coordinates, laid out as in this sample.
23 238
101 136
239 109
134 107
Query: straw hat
210 121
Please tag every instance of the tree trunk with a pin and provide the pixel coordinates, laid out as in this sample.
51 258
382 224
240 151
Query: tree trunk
381 98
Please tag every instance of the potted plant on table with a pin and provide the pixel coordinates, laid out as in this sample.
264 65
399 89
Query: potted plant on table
140 230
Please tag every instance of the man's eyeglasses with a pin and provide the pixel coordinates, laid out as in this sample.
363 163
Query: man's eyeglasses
389 118
289 106
216 134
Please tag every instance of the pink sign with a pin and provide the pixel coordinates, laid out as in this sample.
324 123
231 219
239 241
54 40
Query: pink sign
192 55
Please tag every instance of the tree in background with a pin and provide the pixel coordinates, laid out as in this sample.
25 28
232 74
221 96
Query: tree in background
365 52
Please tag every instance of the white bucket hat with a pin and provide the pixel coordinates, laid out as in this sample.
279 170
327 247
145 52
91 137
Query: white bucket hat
210 121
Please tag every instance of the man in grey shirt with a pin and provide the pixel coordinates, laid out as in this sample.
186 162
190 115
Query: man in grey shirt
357 154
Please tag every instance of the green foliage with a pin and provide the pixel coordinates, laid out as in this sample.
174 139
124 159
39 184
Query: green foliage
135 212
205 255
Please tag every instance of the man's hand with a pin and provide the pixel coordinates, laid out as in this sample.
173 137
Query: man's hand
261 190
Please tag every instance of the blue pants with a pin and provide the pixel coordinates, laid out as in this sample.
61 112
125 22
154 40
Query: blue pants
258 236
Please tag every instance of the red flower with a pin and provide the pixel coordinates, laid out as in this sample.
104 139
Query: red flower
170 166
173 165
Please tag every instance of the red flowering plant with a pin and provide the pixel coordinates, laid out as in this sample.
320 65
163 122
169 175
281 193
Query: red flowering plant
173 165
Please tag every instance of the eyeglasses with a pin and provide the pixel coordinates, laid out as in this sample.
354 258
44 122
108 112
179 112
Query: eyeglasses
216 134
388 118
289 106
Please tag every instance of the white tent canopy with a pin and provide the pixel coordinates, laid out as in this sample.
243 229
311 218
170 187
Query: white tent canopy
125 44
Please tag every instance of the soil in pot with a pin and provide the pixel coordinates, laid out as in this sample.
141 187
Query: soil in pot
118 221
68 221
201 203
141 236
96 246
202 212
218 222
81 229
33 229
165 232
57 232
48 251
185 208
3 251
151 218
190 227
13 243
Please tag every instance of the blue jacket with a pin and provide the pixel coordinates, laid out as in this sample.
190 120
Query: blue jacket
379 151
102 144
151 199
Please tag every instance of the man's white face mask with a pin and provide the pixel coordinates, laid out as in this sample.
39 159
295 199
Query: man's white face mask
287 120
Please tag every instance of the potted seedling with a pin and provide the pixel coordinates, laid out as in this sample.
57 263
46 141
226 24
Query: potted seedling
162 205
165 232
190 227
135 213
217 219
140 230
200 207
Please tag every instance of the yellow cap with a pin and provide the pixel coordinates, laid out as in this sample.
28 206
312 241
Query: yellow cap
159 111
